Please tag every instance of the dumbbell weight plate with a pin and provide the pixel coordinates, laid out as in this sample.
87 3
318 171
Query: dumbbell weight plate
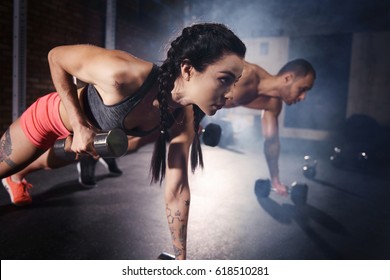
212 134
262 187
337 158
111 144
298 193
309 171
61 148
166 256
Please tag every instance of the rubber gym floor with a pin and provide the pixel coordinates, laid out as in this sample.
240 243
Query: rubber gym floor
347 215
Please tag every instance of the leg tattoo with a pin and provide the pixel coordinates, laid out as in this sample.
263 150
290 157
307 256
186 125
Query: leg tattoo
6 149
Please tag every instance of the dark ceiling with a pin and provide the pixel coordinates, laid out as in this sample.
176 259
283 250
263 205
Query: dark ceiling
253 18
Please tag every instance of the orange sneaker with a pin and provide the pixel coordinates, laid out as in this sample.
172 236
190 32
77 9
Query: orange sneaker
18 191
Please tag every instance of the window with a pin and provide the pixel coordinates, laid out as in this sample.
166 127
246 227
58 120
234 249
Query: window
264 48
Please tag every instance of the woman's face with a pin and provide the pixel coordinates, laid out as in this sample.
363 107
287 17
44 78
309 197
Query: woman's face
210 89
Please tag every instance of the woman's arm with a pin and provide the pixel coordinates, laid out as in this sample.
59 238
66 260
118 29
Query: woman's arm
91 64
177 190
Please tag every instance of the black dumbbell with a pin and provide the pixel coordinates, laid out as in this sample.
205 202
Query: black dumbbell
337 159
166 256
297 191
309 169
108 144
211 134
363 161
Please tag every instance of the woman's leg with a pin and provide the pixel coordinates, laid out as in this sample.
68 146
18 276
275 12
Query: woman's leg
16 150
47 161
15 156
16 153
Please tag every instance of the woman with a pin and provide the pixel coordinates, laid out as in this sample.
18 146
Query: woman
126 92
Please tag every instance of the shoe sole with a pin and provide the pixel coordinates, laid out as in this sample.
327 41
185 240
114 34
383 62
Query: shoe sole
81 181
8 189
113 174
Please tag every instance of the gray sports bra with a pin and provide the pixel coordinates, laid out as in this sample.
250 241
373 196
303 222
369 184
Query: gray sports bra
107 117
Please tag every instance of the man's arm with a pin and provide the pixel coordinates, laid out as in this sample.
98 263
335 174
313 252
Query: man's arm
270 130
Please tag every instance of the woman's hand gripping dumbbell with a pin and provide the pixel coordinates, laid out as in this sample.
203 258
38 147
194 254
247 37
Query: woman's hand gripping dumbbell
108 144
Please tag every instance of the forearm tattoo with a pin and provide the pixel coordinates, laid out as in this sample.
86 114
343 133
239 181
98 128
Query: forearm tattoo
6 149
182 231
177 251
183 234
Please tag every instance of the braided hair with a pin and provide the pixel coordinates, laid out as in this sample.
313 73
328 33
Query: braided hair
202 45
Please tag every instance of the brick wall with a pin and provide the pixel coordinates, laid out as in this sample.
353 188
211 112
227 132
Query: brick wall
49 23
53 23
143 27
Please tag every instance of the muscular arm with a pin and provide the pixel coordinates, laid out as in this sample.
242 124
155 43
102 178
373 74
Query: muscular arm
177 199
270 130
271 143
91 64
177 190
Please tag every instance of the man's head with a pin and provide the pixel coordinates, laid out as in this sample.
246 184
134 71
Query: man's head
297 78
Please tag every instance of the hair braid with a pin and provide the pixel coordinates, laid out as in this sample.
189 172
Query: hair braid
196 149
158 166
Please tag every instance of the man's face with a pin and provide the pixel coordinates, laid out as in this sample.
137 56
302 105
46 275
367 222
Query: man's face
296 90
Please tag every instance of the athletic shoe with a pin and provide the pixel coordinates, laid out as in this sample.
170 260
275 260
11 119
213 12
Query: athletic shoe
111 165
18 191
86 169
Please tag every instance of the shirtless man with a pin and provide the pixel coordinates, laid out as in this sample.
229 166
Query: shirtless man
257 89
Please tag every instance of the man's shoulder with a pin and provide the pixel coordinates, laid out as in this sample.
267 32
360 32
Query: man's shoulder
272 104
255 69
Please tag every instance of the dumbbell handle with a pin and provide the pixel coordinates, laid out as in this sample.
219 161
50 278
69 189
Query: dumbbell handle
109 144
288 189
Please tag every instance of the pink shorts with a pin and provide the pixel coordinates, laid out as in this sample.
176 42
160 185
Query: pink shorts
42 123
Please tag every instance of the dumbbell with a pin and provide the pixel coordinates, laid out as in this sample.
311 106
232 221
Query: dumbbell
309 169
166 256
297 191
337 159
211 134
363 160
108 144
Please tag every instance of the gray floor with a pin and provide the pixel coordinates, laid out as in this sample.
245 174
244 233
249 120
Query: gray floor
347 215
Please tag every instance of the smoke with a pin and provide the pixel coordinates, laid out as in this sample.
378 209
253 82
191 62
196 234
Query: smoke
255 18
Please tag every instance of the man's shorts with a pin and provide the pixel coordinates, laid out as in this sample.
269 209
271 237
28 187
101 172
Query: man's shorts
42 123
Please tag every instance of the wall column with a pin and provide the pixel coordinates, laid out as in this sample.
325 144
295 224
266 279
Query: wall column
110 24
19 58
